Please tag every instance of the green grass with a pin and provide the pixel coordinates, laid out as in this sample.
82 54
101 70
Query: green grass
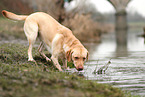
20 78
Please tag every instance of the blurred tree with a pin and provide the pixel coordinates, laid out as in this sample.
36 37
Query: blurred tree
53 7
16 6
85 7
81 16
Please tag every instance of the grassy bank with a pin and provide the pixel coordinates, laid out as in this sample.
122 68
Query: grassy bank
20 78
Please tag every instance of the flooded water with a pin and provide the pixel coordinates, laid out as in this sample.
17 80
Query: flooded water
127 68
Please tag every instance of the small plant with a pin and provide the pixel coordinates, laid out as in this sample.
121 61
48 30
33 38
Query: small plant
102 69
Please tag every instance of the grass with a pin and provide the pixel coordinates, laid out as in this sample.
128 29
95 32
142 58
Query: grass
20 78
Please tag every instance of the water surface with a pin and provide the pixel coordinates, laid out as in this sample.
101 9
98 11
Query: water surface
127 70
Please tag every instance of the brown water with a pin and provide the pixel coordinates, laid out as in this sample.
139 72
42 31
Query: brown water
127 70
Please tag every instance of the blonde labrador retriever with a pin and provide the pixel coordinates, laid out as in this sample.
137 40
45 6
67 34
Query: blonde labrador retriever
58 40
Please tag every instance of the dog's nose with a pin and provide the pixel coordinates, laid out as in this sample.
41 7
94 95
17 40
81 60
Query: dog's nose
80 68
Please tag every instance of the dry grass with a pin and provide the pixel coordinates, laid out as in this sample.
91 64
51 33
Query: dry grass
86 29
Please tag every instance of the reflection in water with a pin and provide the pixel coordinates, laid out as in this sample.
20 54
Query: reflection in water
121 41
127 62
121 51
104 49
108 48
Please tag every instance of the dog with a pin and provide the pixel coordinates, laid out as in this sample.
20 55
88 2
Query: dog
58 39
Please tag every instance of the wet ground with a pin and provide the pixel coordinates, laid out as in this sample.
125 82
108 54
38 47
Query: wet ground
127 70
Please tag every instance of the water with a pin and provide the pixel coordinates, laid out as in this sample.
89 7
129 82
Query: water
127 70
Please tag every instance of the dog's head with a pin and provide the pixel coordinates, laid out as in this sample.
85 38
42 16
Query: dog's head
78 56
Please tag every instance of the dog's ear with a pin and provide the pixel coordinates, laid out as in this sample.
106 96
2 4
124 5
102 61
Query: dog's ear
68 55
87 56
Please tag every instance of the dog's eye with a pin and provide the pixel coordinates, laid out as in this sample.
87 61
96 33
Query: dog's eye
84 58
76 57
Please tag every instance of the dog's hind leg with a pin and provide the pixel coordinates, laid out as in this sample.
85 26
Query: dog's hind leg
31 31
41 53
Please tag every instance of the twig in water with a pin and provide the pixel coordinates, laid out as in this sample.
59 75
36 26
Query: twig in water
102 69
96 67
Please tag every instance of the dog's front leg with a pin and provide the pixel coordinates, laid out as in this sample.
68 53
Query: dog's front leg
56 63
57 49
64 61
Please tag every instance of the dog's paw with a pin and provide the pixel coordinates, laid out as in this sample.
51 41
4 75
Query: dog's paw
32 60
47 59
60 70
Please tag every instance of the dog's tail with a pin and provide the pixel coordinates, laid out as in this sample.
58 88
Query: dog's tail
13 16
